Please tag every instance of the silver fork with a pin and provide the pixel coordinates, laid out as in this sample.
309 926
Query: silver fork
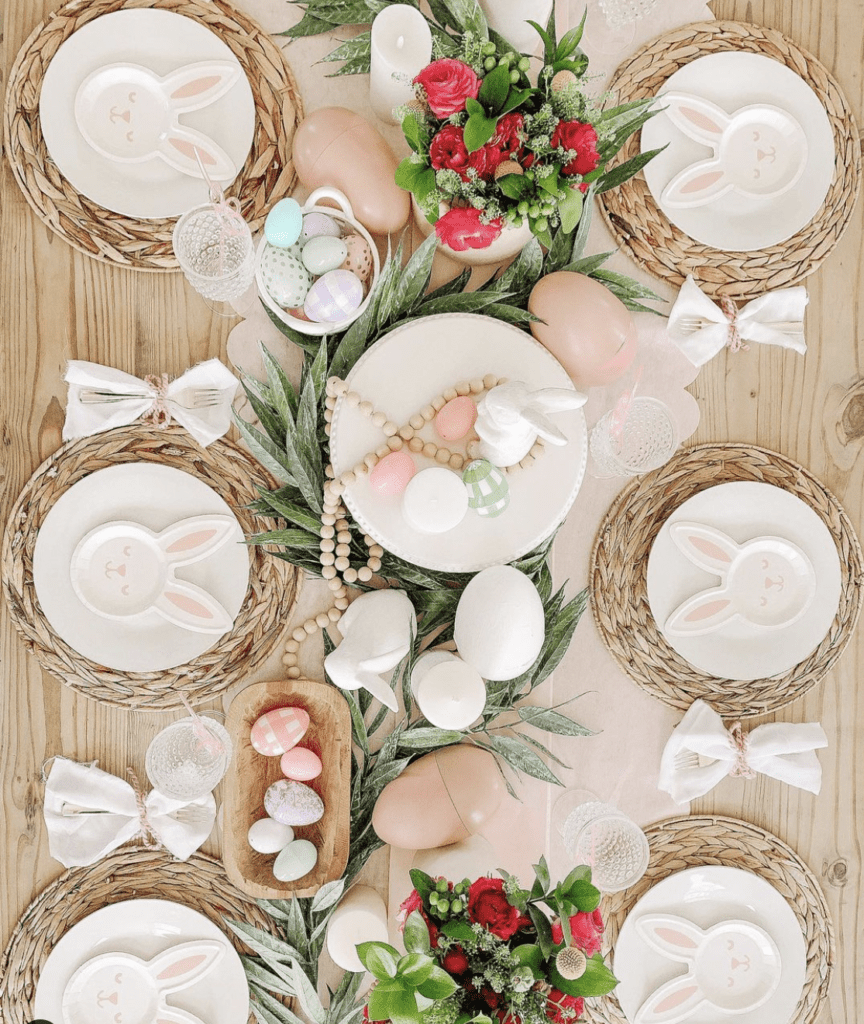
191 815
688 759
190 398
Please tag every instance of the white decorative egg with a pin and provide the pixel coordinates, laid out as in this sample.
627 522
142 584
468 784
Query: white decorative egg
500 625
293 803
323 253
392 473
295 861
359 256
284 223
488 490
279 730
286 279
434 501
318 224
269 836
456 418
333 297
360 917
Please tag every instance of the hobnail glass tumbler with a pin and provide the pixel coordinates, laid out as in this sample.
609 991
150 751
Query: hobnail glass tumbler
623 12
647 440
213 245
598 834
188 759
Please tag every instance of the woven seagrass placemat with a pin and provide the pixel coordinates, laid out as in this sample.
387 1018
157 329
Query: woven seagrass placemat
619 568
664 250
267 175
697 841
199 883
274 584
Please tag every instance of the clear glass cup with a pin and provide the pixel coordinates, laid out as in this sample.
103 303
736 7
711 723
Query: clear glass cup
599 835
188 759
213 245
619 13
647 440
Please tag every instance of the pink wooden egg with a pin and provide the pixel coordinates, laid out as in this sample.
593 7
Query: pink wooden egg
456 418
392 473
359 258
279 730
300 764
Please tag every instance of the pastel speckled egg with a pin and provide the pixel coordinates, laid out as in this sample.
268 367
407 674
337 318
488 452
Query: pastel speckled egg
293 803
333 297
269 836
359 258
295 861
392 473
284 223
286 279
318 224
488 490
456 418
323 253
279 730
300 764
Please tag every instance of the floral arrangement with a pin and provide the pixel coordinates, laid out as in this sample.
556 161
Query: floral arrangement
489 950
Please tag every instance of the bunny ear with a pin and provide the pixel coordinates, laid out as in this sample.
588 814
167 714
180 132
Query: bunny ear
672 1002
706 547
372 682
179 146
558 399
183 965
190 540
697 185
699 119
673 936
545 428
703 613
190 607
174 1015
198 85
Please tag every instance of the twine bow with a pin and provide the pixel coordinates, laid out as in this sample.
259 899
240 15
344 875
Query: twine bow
146 831
159 414
735 342
740 769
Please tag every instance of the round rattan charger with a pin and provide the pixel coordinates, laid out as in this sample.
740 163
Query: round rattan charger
619 567
199 883
687 842
267 175
274 584
664 250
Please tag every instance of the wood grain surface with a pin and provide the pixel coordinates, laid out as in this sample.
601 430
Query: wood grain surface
56 304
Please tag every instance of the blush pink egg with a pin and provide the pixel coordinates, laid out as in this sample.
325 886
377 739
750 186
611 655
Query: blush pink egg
299 313
300 764
456 418
392 473
279 730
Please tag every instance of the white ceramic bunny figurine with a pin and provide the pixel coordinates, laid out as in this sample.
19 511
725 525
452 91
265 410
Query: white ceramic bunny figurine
733 967
119 988
378 630
759 151
510 418
128 113
122 569
767 582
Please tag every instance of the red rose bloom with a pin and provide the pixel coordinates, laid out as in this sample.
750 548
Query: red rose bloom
455 961
411 903
461 229
586 929
557 1003
447 150
583 139
506 137
487 905
447 83
490 998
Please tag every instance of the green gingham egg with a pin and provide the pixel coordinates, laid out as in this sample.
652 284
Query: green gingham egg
488 490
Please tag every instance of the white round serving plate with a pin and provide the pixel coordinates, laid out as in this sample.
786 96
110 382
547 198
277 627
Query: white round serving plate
155 497
405 370
734 221
737 649
708 896
146 928
162 42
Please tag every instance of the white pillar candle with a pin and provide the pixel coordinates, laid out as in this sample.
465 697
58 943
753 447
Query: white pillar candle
360 917
401 46
451 694
426 661
435 501
510 18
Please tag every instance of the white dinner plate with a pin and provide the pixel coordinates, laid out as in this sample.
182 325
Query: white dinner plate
744 511
155 497
146 928
707 896
734 221
405 370
162 42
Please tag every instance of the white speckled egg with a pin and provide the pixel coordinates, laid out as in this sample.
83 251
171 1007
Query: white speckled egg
318 224
269 836
488 490
295 861
286 279
359 256
456 418
323 253
293 803
301 764
279 730
333 297
392 473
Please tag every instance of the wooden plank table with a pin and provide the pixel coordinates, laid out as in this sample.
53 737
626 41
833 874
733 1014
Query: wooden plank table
57 304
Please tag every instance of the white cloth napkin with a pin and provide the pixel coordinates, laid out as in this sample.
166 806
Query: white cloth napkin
76 837
701 328
205 424
781 750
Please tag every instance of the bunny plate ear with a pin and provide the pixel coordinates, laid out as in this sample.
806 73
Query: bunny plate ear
557 399
704 613
706 547
673 1002
673 936
699 119
179 145
697 185
198 85
190 540
174 1015
184 964
545 428
191 607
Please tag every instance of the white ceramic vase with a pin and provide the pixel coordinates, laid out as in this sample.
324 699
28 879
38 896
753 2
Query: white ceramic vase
507 245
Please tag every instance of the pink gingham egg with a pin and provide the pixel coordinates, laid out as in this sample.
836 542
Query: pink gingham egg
279 730
333 297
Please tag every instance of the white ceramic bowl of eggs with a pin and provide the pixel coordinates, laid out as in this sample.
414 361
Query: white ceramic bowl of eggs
282 273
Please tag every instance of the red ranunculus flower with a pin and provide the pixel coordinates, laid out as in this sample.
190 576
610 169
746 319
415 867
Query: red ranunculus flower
583 139
557 1003
489 906
461 229
507 134
407 907
447 83
455 961
489 997
447 150
586 929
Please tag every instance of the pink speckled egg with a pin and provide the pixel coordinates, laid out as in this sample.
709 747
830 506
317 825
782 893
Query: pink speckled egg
456 418
392 473
300 764
359 258
333 297
279 730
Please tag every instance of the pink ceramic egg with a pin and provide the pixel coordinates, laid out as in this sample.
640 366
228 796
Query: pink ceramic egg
279 730
300 764
359 258
456 418
392 473
333 297
299 314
